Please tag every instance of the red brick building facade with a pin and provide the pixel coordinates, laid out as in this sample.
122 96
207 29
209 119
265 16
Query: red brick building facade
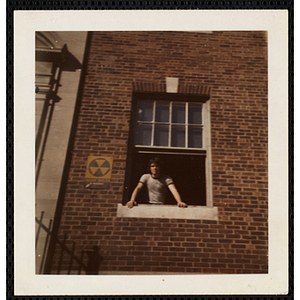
224 73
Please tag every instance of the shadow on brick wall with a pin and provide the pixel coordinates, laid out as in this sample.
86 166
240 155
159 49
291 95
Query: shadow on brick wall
67 260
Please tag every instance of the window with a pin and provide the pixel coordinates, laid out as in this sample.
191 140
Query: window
174 127
169 124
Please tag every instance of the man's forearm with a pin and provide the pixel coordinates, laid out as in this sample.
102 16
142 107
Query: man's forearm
132 201
176 195
134 195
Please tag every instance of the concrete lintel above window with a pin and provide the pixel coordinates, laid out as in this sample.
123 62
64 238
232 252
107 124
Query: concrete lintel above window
168 212
172 84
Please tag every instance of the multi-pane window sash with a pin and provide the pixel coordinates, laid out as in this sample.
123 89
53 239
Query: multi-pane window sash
169 124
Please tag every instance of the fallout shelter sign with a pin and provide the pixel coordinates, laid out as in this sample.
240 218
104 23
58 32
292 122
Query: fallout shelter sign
98 172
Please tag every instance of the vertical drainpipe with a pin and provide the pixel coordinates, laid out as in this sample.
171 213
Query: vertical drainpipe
63 185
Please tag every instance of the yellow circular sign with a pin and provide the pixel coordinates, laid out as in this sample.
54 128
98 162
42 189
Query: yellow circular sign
99 167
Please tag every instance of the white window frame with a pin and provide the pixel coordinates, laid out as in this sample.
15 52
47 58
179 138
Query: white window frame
208 212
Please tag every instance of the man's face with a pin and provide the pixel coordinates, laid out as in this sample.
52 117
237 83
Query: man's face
155 170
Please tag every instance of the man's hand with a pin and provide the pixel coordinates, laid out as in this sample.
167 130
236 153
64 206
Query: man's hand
135 192
181 204
130 204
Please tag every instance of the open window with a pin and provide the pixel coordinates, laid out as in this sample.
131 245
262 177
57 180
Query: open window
176 128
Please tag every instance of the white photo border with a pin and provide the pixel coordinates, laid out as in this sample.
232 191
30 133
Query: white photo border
26 23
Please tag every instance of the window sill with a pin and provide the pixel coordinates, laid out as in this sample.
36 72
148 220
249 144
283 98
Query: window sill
168 212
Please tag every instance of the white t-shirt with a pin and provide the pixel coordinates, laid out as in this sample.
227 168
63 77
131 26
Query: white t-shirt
157 187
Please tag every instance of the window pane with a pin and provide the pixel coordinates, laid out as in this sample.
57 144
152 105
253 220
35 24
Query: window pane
144 135
162 112
145 111
195 137
195 113
161 135
178 136
178 113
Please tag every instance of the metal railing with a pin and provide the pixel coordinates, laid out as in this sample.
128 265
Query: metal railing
68 262
41 231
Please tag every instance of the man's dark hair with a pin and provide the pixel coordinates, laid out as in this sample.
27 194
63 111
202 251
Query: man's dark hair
155 160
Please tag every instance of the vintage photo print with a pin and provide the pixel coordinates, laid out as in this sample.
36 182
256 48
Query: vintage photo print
150 150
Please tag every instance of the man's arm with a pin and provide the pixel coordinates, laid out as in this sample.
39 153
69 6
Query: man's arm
176 195
135 193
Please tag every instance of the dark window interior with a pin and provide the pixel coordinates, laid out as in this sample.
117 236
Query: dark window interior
187 172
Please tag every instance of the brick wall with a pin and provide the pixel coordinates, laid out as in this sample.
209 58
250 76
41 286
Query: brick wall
234 67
